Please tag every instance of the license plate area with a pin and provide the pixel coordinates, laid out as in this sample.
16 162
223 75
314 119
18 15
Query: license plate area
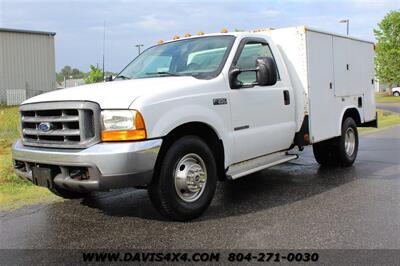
42 176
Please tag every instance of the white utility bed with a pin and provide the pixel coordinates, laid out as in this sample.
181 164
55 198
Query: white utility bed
329 73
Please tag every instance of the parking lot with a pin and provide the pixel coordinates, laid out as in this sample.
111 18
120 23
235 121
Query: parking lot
296 205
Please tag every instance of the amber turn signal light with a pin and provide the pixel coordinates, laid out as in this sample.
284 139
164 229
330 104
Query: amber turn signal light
136 132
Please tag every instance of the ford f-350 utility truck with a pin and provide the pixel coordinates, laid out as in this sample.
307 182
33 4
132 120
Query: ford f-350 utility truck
189 112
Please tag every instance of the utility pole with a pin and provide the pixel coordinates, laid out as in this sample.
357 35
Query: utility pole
138 46
104 45
347 21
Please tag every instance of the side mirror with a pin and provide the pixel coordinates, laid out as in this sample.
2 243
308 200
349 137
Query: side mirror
267 74
233 81
109 78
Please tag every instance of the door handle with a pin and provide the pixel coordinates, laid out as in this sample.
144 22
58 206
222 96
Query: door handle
286 97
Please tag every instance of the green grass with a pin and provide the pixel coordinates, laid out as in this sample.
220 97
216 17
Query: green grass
386 119
9 125
9 128
14 191
381 98
14 196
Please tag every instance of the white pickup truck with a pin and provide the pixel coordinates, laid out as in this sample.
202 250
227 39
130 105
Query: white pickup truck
189 112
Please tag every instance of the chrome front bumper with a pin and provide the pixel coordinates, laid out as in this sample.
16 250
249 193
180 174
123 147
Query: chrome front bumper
108 165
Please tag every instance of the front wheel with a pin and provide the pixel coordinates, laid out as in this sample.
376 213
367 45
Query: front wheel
396 93
185 183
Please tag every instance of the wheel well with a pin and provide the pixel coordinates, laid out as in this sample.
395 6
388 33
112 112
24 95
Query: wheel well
353 113
203 131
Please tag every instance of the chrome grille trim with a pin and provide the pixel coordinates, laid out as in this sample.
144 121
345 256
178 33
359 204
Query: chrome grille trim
74 124
57 132
64 118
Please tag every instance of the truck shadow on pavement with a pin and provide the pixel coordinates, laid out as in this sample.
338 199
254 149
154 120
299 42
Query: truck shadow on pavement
270 188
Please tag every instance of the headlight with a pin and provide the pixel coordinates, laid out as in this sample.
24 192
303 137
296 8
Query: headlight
119 125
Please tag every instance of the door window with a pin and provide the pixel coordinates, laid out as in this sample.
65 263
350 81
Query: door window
247 59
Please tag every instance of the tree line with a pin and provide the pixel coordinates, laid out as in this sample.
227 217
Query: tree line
95 74
387 60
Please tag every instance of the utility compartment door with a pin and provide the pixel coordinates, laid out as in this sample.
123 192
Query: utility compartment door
322 121
348 67
341 66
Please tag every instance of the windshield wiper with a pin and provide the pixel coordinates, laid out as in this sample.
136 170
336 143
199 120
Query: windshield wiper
164 73
122 77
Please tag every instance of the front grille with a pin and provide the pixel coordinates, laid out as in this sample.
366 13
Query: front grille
60 124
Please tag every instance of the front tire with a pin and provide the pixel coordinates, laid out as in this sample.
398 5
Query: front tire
396 93
186 180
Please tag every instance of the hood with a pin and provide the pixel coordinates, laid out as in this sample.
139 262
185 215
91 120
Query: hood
115 94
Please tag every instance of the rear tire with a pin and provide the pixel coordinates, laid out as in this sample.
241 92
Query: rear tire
325 152
66 194
184 185
396 93
341 150
348 143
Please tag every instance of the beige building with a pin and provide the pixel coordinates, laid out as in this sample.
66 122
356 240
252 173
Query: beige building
27 64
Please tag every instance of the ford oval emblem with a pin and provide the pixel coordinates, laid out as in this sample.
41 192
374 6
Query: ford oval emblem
45 126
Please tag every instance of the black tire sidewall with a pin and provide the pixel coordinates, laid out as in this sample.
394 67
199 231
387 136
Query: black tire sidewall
182 147
345 159
396 93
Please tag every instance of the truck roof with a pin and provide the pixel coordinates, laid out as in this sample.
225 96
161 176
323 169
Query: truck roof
266 30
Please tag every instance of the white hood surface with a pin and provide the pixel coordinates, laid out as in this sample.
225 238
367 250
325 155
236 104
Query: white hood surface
115 94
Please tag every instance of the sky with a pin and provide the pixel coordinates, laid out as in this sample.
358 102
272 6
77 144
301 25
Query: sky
79 24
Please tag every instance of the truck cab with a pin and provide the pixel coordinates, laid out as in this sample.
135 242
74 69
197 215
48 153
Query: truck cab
190 112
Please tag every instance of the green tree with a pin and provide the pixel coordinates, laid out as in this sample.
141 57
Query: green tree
66 71
77 74
95 75
387 60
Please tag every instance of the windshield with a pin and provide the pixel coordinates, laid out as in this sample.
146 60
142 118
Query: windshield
199 57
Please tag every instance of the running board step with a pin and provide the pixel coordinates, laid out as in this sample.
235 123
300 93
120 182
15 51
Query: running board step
257 164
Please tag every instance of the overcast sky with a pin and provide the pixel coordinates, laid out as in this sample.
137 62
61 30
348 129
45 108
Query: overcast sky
79 24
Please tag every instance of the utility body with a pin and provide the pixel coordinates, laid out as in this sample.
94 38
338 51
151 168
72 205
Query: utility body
189 112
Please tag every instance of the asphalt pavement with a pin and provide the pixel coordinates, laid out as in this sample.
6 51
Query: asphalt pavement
295 205
394 107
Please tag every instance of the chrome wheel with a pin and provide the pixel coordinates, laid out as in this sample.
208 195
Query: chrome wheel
350 141
190 175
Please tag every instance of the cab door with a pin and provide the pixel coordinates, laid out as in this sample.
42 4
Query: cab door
262 116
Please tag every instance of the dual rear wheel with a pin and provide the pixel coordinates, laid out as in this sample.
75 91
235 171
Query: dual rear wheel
341 150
